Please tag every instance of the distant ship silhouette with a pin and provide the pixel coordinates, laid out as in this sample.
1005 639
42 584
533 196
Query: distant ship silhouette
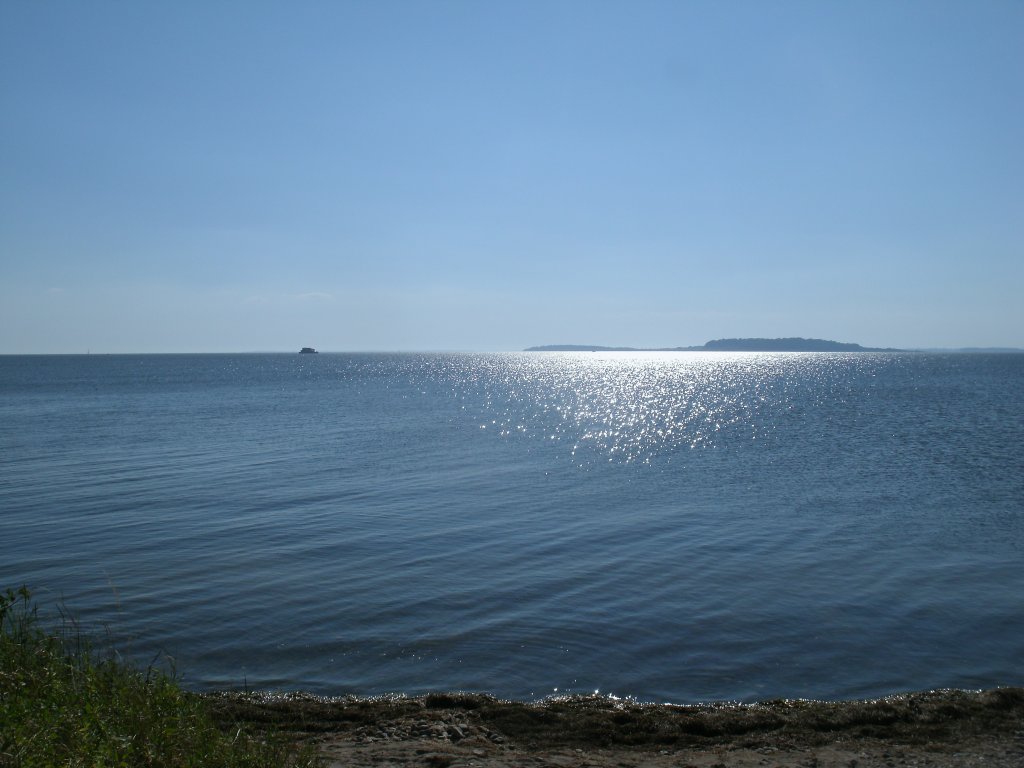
307 351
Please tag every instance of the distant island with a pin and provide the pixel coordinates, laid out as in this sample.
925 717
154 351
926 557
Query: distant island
728 345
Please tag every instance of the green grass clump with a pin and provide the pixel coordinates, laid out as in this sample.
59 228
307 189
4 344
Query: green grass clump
63 704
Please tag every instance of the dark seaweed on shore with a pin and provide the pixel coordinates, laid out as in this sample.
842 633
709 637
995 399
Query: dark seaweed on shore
948 716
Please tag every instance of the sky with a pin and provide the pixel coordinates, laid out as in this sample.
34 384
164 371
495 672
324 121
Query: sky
430 175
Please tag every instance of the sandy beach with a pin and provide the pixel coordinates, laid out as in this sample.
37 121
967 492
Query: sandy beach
938 728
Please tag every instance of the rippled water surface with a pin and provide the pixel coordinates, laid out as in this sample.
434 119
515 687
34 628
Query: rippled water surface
674 526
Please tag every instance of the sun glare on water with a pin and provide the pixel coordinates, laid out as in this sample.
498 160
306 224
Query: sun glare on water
645 406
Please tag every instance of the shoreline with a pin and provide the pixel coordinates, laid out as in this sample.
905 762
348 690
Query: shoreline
942 729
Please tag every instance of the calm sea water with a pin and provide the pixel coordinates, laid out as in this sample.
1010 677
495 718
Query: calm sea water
675 527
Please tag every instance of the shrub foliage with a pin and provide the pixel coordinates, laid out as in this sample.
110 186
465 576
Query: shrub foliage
64 704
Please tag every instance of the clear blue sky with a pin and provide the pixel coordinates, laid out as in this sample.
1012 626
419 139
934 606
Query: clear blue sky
233 176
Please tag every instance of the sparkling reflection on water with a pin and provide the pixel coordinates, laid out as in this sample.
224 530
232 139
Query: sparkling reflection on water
639 406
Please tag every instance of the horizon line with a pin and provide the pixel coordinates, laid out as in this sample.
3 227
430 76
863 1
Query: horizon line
530 350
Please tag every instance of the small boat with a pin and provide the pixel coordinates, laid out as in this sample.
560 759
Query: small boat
307 351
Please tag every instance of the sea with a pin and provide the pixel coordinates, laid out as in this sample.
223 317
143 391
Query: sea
670 527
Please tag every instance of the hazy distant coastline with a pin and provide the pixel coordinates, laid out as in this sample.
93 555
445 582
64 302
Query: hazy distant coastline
794 344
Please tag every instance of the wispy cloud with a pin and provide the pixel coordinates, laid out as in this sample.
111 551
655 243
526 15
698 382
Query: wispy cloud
314 296
288 298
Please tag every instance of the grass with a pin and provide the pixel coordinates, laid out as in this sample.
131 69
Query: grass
64 704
